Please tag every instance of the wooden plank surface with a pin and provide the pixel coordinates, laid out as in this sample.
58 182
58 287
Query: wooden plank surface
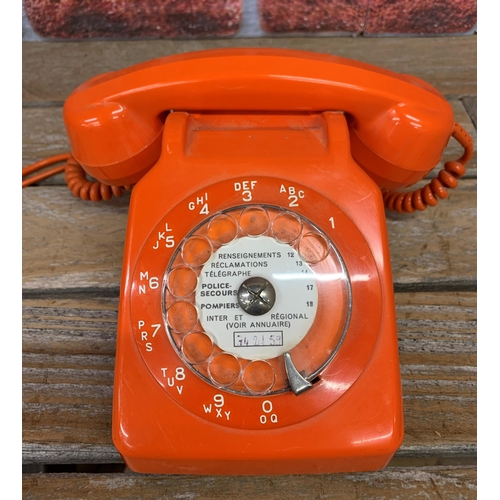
52 70
470 105
68 360
73 245
432 483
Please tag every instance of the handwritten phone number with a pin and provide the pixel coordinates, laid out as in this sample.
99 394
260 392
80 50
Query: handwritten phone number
258 339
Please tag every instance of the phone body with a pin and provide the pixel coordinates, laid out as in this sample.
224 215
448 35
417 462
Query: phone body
257 330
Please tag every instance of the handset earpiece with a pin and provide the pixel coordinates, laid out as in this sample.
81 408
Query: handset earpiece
399 146
114 142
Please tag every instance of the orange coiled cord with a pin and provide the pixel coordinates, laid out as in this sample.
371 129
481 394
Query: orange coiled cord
75 177
81 187
429 195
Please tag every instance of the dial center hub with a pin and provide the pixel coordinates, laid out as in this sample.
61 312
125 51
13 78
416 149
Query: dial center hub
256 296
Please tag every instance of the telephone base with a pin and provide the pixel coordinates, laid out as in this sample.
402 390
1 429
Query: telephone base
176 409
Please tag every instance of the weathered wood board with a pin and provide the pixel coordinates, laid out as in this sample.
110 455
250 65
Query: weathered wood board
433 483
51 71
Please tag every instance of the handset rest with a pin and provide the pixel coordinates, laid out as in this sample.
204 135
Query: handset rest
399 125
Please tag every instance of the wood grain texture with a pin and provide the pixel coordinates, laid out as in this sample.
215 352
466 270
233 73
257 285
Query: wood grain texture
51 71
68 362
73 245
433 483
470 104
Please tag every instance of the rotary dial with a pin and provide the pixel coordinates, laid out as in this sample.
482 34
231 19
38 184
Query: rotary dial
257 300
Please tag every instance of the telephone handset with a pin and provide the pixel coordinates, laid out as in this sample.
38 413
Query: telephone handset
257 330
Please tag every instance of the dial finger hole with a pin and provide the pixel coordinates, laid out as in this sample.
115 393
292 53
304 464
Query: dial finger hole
182 316
224 369
313 248
196 251
254 221
286 227
197 347
259 376
222 229
182 281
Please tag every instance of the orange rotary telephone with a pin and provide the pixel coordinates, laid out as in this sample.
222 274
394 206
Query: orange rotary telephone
257 330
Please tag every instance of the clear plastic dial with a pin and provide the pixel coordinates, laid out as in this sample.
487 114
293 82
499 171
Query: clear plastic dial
257 300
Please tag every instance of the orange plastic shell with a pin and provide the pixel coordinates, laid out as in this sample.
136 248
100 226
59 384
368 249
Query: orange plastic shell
307 135
351 419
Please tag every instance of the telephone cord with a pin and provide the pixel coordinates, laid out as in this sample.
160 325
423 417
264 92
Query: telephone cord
436 189
75 178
